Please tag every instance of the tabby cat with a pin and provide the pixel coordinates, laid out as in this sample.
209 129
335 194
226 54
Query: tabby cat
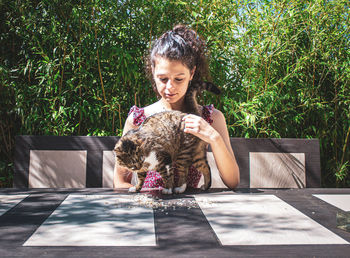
160 143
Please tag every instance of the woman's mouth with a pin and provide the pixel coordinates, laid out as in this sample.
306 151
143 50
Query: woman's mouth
168 95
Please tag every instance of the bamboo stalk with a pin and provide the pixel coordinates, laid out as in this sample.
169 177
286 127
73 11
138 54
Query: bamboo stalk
63 61
80 97
267 67
345 145
6 143
120 117
99 69
101 79
113 121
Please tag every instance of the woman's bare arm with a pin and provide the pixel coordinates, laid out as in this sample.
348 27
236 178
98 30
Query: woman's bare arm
218 138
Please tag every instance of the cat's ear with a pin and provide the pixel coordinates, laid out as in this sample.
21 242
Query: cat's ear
140 141
117 147
128 146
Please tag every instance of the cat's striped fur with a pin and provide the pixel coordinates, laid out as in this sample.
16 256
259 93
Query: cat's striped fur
160 144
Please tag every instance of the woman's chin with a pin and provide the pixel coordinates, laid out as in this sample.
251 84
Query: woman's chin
171 99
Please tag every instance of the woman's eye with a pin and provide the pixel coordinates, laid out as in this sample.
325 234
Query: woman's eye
163 80
179 79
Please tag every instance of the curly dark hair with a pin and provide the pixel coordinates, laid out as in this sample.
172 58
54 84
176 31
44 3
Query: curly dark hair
181 44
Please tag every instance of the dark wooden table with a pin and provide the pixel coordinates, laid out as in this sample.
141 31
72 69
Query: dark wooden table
219 223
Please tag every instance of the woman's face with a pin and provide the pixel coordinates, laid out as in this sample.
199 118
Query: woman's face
172 79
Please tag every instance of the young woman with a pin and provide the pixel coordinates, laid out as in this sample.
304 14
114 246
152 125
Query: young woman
177 58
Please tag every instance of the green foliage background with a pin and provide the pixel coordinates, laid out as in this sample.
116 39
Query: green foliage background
76 67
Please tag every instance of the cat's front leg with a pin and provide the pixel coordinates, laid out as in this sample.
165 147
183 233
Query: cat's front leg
141 179
204 168
167 175
181 185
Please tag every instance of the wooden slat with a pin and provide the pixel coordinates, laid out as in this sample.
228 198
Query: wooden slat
95 145
310 147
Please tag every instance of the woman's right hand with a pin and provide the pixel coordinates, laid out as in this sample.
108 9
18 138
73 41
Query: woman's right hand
122 185
122 177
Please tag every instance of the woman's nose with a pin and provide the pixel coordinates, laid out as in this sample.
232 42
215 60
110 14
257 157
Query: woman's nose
169 84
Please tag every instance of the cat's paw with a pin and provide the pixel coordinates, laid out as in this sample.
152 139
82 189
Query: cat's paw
204 188
132 189
167 191
180 189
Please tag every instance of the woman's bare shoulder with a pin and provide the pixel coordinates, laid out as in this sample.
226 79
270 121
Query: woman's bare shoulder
217 114
152 109
129 124
219 120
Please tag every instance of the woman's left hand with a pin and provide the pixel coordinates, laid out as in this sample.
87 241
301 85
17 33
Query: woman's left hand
197 126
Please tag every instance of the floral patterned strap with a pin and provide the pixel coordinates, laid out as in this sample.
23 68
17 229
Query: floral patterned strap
139 115
206 113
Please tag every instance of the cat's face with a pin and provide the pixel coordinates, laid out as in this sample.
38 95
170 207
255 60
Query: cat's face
128 153
172 78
